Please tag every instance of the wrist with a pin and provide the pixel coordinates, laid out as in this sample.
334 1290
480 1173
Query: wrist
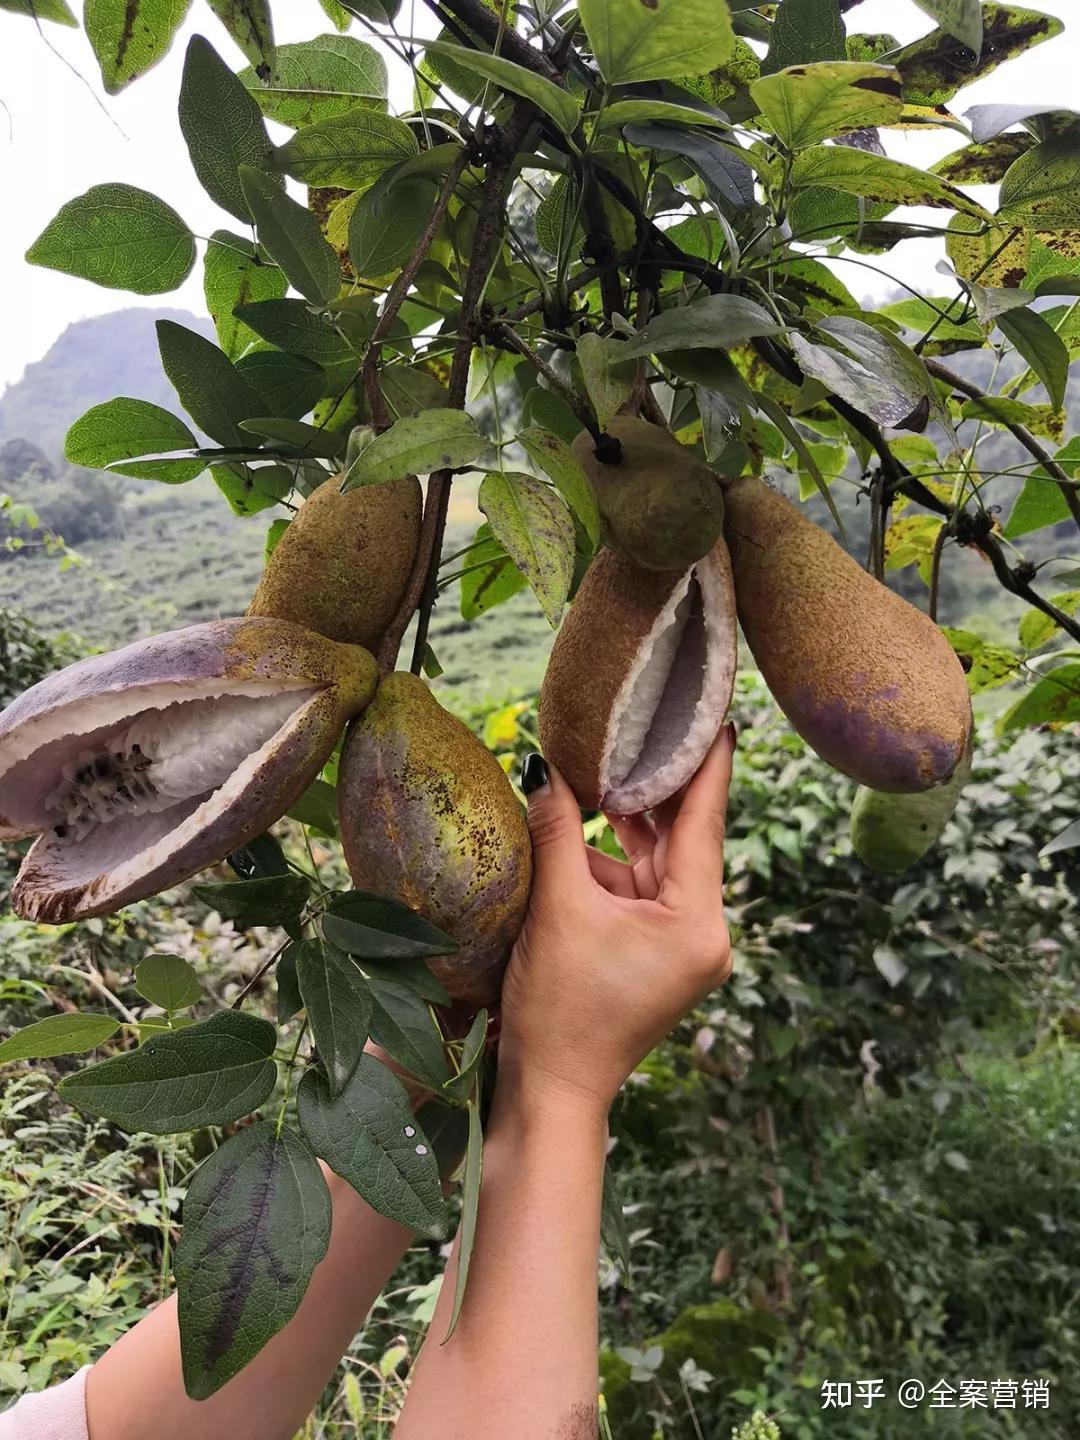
536 1099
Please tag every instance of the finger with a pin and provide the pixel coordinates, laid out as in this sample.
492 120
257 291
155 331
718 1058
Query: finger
559 852
638 839
616 877
695 842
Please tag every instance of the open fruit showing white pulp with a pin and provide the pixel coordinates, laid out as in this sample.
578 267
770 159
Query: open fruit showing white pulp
140 768
640 680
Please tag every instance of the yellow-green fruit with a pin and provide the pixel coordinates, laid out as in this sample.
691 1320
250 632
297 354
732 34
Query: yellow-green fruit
429 818
865 678
342 566
892 832
660 505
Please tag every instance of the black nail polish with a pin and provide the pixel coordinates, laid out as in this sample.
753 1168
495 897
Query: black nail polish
534 773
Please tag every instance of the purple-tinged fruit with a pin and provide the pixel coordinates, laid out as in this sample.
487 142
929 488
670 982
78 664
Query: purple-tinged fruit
865 678
429 819
140 768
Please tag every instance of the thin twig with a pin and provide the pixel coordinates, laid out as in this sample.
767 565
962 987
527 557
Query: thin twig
505 336
935 570
1064 481
399 291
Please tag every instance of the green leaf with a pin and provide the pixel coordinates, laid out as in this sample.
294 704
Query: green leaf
251 25
1053 700
805 31
664 40
289 1000
552 99
608 375
491 578
119 237
558 462
370 1137
209 386
288 385
412 974
292 325
963 19
234 273
256 1223
58 1035
1042 348
338 1005
935 67
317 808
1003 410
130 36
418 445
387 223
402 1023
614 1234
470 1209
632 112
207 1074
168 981
533 524
472 1057
221 126
1036 628
988 121
1041 191
882 377
122 430
349 150
1041 502
376 928
810 103
717 322
290 234
983 164
876 177
268 900
57 10
319 79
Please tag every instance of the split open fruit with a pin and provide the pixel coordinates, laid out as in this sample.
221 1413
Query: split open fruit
139 768
640 679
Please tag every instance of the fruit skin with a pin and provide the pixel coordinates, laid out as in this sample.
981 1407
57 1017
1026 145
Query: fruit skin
616 607
889 833
54 889
865 678
660 505
342 566
429 819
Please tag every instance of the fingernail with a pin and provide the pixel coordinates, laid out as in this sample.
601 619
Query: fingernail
534 773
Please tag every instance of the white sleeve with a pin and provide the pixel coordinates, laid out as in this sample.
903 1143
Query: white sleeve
58 1413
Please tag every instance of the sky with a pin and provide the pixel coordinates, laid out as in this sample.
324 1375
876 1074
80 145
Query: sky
60 135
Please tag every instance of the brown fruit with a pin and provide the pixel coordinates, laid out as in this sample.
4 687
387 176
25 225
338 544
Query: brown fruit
639 680
429 819
865 678
659 504
140 768
342 566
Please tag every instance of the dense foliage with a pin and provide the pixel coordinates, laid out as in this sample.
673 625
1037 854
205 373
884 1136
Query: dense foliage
564 221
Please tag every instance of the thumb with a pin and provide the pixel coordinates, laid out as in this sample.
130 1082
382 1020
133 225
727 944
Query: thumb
559 856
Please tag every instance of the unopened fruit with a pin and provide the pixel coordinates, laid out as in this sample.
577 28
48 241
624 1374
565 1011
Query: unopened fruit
865 678
639 680
139 768
342 566
429 819
889 833
659 504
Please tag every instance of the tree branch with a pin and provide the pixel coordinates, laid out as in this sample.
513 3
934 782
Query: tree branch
1065 483
422 589
485 23
504 335
398 293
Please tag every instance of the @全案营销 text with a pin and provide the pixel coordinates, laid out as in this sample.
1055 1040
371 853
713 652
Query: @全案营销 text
966 1394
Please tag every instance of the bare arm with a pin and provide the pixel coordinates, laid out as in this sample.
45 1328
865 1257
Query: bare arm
611 956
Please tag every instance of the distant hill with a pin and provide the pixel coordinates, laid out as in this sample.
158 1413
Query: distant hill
93 360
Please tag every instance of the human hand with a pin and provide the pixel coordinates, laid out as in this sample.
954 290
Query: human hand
613 953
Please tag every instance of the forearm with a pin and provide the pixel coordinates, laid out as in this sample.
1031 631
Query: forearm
136 1390
522 1360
